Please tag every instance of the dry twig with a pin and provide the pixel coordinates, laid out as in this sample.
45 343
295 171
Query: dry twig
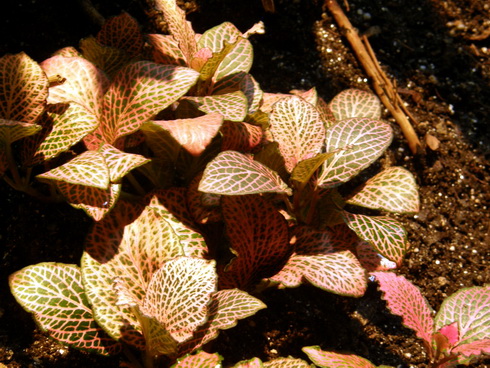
381 83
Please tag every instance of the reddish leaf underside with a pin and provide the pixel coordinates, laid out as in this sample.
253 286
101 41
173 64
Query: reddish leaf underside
405 300
258 235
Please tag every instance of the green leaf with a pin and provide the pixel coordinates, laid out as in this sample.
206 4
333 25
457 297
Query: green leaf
23 88
393 189
233 173
199 360
63 127
356 144
470 308
287 363
120 163
88 169
305 169
296 126
138 92
354 103
54 293
232 106
327 359
386 235
214 38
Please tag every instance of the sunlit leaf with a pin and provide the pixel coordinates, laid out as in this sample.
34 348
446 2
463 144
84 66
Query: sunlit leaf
54 293
405 300
214 38
329 359
356 144
179 293
387 236
84 83
138 92
354 103
119 162
165 50
251 363
63 127
178 27
286 363
296 126
322 258
470 308
305 169
199 360
233 173
232 106
23 88
193 134
258 235
393 189
137 252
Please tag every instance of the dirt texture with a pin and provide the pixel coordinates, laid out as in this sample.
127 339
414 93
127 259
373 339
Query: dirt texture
438 54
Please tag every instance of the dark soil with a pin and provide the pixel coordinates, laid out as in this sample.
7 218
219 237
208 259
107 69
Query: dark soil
438 52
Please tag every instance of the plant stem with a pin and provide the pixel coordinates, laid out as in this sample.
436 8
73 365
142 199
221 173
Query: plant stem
381 83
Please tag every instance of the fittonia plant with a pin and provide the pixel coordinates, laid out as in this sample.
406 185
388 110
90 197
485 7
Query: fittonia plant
142 283
313 148
167 140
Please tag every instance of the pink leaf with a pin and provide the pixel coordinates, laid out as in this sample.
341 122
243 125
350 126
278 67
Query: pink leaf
451 332
478 347
199 360
405 300
336 360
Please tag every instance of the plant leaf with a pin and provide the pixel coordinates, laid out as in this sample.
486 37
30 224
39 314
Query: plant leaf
386 235
84 83
107 58
329 359
470 308
405 300
199 360
11 131
138 92
296 126
371 260
122 32
53 292
120 163
251 363
478 347
23 88
321 258
237 60
233 173
63 127
214 38
240 136
193 134
356 144
258 235
354 103
286 363
305 169
165 50
232 106
178 27
393 189
179 293
131 252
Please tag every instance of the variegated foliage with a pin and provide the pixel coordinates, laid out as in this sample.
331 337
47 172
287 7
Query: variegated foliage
460 331
143 281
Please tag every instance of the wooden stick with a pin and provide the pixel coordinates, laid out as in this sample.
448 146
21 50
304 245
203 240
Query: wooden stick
381 83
